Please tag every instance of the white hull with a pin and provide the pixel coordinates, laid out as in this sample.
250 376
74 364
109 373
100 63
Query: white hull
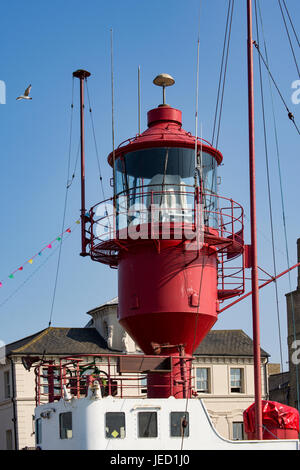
88 427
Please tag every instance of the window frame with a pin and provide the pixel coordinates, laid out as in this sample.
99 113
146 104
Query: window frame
61 423
143 385
242 429
105 424
7 384
242 380
9 440
208 369
153 413
187 429
38 431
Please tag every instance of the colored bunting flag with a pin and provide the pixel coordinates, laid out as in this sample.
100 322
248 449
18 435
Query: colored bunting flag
30 261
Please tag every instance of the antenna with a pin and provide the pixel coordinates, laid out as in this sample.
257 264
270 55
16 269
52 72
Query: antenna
112 112
164 80
139 100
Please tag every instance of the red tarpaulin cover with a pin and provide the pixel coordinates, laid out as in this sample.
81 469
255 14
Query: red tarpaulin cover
274 415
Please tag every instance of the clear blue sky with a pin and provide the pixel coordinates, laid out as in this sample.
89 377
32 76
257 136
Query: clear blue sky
42 44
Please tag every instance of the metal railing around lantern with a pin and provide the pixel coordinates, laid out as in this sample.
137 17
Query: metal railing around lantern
174 212
121 376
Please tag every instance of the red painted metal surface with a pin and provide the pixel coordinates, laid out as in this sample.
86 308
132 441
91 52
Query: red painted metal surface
177 383
273 279
156 292
254 272
278 421
118 375
168 293
165 130
82 75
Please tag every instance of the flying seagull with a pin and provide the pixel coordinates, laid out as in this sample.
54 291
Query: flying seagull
26 94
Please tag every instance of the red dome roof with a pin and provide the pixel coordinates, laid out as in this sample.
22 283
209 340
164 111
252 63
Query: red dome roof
164 130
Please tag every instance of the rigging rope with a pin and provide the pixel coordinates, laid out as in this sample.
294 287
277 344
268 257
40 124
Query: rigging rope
289 38
95 140
70 182
220 75
226 46
29 277
63 222
198 172
289 17
97 156
269 195
282 205
290 114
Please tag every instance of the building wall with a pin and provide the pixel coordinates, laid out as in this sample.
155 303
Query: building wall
106 322
24 405
6 409
293 320
224 406
25 400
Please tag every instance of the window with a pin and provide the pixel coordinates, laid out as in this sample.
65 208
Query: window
143 384
38 431
147 424
7 391
45 381
179 424
50 380
202 380
115 425
238 431
236 380
9 439
65 425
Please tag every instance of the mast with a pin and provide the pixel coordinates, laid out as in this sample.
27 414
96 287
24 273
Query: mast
254 273
82 75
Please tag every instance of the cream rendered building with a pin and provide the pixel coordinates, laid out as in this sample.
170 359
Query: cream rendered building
223 372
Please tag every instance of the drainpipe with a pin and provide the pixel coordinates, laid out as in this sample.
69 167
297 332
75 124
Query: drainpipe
266 374
13 399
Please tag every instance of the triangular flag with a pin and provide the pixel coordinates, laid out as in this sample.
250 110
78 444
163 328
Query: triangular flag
58 239
21 268
77 221
11 276
0 284
49 246
68 230
30 261
40 253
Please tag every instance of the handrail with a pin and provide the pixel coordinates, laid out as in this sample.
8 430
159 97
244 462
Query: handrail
222 219
77 373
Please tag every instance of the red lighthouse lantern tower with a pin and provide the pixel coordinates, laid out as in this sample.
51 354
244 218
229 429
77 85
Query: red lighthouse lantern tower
177 244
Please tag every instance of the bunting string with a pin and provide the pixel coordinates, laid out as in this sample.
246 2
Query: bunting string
31 260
